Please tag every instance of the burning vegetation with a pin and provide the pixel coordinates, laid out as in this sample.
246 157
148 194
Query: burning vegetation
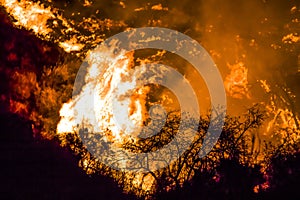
258 58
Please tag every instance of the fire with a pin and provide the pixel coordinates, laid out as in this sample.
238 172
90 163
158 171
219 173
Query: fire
71 45
23 83
116 74
265 85
106 85
67 123
236 83
30 15
35 17
18 107
144 181
291 38
76 112
281 116
108 78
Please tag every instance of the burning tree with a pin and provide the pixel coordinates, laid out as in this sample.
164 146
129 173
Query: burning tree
237 145
261 148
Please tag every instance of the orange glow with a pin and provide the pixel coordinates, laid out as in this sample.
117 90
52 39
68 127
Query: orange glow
236 83
30 15
23 84
36 18
71 45
291 38
18 108
117 71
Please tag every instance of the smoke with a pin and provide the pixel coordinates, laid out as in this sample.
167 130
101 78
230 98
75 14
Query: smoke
247 32
255 45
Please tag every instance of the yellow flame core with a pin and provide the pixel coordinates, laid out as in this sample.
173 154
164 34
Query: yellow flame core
107 74
35 16
28 14
236 83
71 45
291 38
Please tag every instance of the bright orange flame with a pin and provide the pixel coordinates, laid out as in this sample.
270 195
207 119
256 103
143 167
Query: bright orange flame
34 16
117 69
30 15
236 83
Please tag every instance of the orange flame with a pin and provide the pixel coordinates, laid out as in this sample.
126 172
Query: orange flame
236 83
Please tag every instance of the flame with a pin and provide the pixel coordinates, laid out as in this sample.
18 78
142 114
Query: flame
143 181
67 122
18 107
159 7
115 76
283 118
23 83
71 45
291 38
30 15
36 17
265 85
236 83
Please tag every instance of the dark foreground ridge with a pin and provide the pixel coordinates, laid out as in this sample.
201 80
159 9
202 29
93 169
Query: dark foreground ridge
40 169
